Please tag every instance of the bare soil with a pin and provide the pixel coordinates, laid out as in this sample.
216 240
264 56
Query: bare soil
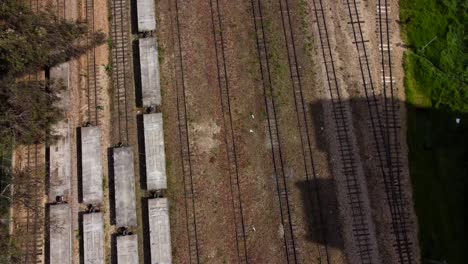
259 196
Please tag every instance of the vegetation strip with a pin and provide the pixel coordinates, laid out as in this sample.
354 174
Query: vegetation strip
292 253
437 94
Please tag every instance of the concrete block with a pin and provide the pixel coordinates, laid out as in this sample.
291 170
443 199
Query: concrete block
91 165
60 234
60 164
149 65
155 158
127 249
160 233
146 15
124 182
93 238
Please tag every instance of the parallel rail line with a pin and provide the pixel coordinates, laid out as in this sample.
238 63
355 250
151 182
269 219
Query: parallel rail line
61 8
360 225
91 68
189 191
120 65
304 122
385 131
34 5
32 226
223 80
292 253
395 197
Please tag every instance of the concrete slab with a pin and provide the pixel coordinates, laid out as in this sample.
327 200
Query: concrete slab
146 15
160 233
127 249
60 234
124 181
155 158
149 66
60 164
91 165
93 238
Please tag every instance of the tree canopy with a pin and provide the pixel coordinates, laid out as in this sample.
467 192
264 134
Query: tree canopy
30 42
33 41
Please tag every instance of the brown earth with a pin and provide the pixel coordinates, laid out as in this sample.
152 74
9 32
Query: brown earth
258 184
258 189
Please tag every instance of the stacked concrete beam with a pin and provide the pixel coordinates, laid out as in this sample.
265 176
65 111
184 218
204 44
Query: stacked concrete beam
93 238
124 180
60 234
146 16
160 233
155 157
127 249
91 165
149 65
60 164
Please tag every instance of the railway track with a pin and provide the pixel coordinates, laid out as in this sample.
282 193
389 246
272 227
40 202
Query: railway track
31 226
395 198
121 77
35 5
60 5
292 253
304 123
223 81
384 122
189 191
91 68
360 226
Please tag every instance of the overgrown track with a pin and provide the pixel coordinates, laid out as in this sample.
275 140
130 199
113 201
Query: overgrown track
60 6
185 153
395 198
304 123
35 5
292 253
360 226
31 226
91 69
121 76
223 80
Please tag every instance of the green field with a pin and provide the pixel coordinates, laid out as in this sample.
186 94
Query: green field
436 71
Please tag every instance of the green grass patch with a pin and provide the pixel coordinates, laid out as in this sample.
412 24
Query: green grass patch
437 94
